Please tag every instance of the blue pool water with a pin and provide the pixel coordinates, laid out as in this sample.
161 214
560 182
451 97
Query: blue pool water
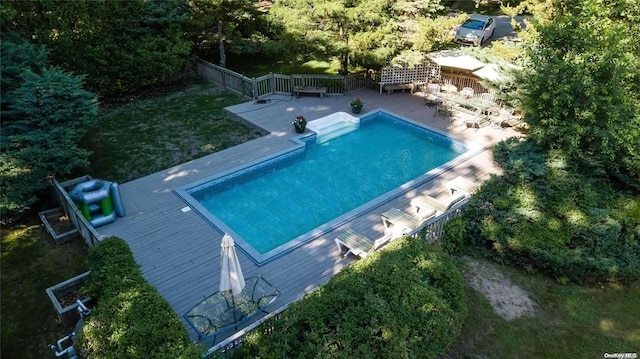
282 202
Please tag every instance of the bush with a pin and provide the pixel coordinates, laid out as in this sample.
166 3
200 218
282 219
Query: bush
407 300
130 320
544 214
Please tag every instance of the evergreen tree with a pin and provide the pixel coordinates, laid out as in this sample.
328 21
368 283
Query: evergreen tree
45 114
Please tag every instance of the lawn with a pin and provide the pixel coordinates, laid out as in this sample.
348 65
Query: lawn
149 134
568 321
156 132
30 262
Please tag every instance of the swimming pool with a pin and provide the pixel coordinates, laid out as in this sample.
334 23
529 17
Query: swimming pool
279 203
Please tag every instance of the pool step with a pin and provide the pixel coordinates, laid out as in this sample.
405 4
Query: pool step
336 131
334 125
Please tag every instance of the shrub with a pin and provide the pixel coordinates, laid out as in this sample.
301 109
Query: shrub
130 320
544 214
405 301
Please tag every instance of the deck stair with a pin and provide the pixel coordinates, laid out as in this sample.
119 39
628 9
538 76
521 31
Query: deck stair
334 125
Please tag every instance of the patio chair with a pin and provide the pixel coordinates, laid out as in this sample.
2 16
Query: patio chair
486 97
398 221
477 121
433 88
467 91
461 185
445 108
358 244
427 205
506 117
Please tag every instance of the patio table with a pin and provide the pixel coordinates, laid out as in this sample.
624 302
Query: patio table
221 311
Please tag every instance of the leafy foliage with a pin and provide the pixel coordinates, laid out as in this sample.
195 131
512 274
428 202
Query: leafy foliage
582 86
407 300
130 320
45 114
544 214
121 46
236 25
359 33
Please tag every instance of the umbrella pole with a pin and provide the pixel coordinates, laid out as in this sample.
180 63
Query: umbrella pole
233 308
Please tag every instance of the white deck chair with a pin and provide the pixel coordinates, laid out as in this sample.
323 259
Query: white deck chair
486 97
358 244
462 185
467 91
397 221
425 204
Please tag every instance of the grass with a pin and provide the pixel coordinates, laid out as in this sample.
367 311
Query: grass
30 263
151 134
583 322
252 66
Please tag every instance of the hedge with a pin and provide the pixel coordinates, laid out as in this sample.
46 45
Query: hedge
130 319
406 301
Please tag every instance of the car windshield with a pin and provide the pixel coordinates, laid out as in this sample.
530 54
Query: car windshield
473 24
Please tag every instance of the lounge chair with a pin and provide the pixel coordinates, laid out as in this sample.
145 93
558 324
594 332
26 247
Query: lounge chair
506 117
395 219
427 205
462 186
477 121
358 244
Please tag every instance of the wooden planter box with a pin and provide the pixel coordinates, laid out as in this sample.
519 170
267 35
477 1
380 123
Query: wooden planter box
63 296
58 225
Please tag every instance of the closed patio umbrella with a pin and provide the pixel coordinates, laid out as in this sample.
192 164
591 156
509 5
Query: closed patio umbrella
231 278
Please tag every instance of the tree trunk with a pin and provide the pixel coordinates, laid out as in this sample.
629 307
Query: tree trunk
223 55
344 57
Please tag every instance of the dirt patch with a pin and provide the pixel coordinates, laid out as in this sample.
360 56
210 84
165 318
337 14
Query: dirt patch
507 299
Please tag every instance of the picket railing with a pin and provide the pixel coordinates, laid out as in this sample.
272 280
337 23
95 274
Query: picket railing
87 232
431 231
462 81
255 88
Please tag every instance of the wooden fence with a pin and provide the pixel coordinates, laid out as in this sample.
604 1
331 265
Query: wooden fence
461 81
255 88
431 231
86 230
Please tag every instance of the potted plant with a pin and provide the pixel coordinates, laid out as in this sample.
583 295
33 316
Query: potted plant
300 123
356 105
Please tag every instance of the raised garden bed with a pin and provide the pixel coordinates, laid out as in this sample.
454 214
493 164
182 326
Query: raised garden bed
58 225
64 295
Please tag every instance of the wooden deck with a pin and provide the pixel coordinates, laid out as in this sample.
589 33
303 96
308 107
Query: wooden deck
178 251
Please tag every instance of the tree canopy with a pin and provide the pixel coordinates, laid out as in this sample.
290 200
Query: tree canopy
358 33
121 46
581 85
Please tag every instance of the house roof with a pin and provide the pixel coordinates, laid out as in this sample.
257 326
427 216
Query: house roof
455 59
492 72
489 72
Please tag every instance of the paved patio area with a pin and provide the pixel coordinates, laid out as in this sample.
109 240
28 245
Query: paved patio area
178 250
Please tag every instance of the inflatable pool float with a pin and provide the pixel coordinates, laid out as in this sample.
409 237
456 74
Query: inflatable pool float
98 200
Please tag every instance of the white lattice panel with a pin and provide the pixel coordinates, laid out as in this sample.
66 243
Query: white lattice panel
405 75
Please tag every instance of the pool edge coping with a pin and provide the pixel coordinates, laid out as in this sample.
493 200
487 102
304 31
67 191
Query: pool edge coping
299 144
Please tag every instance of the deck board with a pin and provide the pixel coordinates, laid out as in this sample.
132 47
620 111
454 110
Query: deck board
178 252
